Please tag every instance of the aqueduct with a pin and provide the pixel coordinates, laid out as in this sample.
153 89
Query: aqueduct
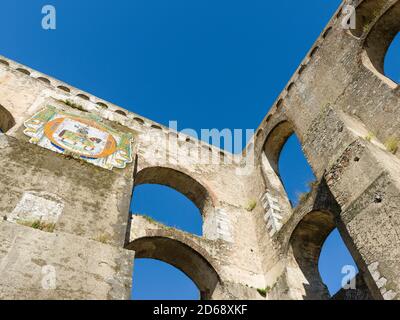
70 161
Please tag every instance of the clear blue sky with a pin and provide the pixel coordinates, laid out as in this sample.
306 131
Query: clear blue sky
205 63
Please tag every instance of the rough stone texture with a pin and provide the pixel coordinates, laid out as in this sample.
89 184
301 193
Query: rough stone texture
339 104
84 269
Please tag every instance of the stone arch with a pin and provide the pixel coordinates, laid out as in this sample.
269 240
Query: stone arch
275 141
304 239
6 120
182 256
179 181
380 38
309 233
306 243
365 15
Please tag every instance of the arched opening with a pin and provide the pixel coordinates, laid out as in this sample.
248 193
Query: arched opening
335 262
157 280
167 206
179 181
380 38
275 142
182 256
6 120
295 172
324 259
285 156
316 236
392 60
174 199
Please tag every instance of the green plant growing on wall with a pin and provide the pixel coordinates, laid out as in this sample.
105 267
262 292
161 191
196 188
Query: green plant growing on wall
369 136
302 197
264 292
148 218
312 184
251 205
392 144
37 224
74 105
103 238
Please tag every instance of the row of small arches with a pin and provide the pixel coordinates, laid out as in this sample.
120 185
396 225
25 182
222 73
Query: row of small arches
303 67
68 90
102 104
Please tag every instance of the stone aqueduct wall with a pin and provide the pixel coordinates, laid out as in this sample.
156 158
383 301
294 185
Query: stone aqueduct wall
335 100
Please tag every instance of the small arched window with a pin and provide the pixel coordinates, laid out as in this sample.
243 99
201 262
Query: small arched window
24 71
4 62
102 105
139 120
64 88
83 96
154 126
45 80
122 113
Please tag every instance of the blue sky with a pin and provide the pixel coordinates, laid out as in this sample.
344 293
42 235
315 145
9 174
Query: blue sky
205 63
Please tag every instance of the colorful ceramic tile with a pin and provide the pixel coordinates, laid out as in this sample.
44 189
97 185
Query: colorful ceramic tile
82 137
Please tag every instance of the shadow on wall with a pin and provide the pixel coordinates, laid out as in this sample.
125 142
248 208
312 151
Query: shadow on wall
6 120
